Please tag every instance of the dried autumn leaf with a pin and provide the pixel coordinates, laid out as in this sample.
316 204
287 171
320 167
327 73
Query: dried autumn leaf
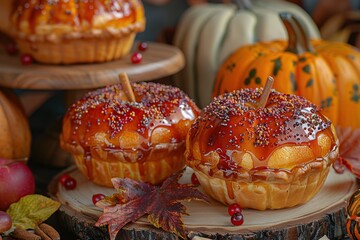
31 210
161 204
350 148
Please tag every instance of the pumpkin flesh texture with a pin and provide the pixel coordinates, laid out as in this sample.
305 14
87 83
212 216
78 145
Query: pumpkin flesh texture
329 78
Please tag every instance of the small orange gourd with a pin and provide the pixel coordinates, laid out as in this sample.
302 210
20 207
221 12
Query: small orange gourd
326 73
15 136
353 215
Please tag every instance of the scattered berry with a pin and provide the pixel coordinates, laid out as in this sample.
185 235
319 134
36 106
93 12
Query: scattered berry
136 58
63 178
11 48
70 183
97 197
26 59
194 179
234 208
237 219
142 46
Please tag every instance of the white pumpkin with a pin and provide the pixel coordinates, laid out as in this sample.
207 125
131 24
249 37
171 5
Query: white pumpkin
208 33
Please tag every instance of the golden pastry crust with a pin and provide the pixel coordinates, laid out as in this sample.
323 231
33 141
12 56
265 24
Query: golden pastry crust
106 27
235 148
111 137
57 20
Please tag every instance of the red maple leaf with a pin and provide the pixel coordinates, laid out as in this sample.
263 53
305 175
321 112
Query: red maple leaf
162 204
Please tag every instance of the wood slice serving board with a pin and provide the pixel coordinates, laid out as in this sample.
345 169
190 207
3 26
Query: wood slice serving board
323 215
159 60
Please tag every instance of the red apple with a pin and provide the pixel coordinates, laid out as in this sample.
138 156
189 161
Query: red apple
16 181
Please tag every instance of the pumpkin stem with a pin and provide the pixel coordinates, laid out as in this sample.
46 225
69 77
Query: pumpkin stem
243 4
266 92
125 83
298 37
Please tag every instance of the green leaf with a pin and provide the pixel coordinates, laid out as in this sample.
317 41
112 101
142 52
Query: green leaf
310 82
258 80
32 210
252 73
302 59
306 68
247 81
277 66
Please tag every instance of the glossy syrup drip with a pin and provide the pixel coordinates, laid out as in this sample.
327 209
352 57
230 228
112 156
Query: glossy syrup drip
103 120
231 125
78 14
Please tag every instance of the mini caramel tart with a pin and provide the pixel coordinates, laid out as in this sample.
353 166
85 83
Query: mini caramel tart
76 31
261 158
109 136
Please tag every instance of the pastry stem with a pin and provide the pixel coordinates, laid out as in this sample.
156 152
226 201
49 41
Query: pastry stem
266 92
125 83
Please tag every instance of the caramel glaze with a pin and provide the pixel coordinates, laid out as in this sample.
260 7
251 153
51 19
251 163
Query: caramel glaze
79 14
107 112
231 123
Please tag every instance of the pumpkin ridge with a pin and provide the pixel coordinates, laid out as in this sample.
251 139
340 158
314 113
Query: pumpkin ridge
16 138
6 139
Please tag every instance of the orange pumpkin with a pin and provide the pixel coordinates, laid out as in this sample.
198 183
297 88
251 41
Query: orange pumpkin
326 73
353 215
15 137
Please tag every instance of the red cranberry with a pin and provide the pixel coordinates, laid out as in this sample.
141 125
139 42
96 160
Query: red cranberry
70 183
237 219
97 197
26 59
136 58
142 46
234 208
63 178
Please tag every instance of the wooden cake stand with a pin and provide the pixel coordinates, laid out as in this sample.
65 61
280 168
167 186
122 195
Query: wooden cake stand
324 215
159 60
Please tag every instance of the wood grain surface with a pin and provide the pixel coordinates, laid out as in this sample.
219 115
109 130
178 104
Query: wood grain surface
159 60
323 215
